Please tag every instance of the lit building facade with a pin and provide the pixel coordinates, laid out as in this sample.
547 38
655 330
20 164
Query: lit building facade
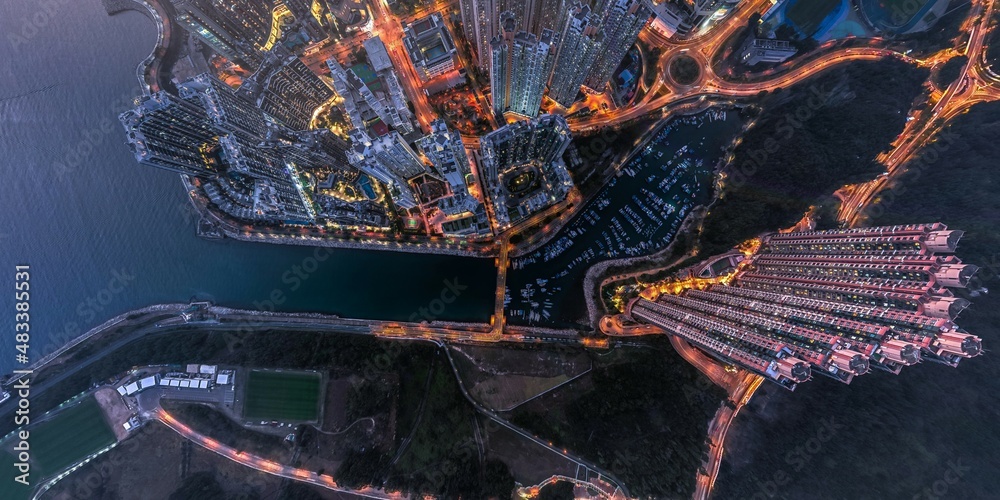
519 68
578 47
312 15
837 303
462 213
757 50
482 22
390 160
363 105
212 133
286 89
171 133
620 26
522 169
236 29
429 46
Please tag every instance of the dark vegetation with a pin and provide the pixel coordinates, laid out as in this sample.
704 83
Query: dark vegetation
929 419
198 486
684 70
645 420
361 468
442 458
803 45
598 152
557 491
950 71
436 460
368 397
993 49
299 491
210 422
650 68
808 142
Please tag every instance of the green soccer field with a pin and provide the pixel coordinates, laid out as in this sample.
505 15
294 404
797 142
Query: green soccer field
282 396
69 437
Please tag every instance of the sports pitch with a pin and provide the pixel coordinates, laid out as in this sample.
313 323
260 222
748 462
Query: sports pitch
282 396
70 436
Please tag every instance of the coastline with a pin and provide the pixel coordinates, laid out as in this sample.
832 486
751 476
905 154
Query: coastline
212 225
205 314
147 71
592 290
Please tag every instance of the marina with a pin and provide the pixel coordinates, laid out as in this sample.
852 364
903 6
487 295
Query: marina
637 213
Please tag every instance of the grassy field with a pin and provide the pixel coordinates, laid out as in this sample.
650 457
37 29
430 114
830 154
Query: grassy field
283 396
808 14
68 437
14 490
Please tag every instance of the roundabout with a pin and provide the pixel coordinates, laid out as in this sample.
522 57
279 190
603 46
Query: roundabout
683 70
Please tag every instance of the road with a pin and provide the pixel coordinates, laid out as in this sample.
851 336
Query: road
503 263
975 84
389 29
261 464
602 481
168 319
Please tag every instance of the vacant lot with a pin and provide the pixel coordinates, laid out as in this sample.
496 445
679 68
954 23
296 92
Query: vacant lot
282 396
503 378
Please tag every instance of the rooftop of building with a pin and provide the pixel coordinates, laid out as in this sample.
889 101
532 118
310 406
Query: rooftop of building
427 41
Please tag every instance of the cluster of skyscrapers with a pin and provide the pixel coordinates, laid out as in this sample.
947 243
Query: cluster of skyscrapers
411 182
530 45
522 167
258 157
686 16
372 91
837 303
286 89
240 29
236 29
248 160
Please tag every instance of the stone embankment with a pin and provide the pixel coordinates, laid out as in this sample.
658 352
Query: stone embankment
597 277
